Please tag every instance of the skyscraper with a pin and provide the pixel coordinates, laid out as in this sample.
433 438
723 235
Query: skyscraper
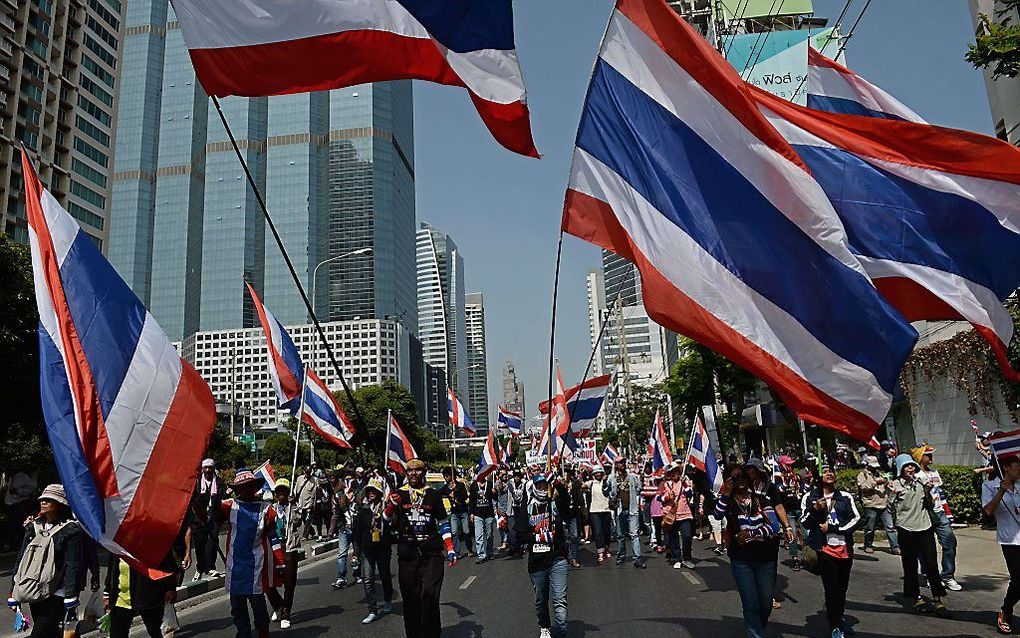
513 390
478 372
595 285
336 169
441 316
59 68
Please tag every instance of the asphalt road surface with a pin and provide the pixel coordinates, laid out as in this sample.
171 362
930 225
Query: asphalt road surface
495 599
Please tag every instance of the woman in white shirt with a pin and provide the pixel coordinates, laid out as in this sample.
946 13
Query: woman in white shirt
1000 498
601 518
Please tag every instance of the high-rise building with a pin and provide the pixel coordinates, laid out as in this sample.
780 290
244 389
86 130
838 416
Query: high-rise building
513 390
336 169
441 316
478 371
1004 92
595 285
60 63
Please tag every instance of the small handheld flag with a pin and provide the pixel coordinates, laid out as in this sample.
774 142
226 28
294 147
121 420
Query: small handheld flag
400 449
702 456
1005 444
660 452
610 454
268 477
489 460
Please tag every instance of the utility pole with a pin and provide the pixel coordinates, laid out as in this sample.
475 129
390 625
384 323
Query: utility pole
233 388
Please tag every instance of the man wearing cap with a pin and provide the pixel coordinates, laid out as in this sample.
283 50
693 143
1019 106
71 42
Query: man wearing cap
624 491
251 541
205 536
872 486
763 487
423 535
943 518
288 530
542 531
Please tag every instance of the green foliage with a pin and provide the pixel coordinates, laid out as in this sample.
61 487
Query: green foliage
637 416
960 484
227 452
997 44
279 450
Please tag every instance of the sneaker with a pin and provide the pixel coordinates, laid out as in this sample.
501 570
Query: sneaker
359 580
688 564
285 623
620 560
197 577
895 551
369 619
640 564
952 585
599 558
274 617
678 565
544 633
796 565
921 606
848 628
575 564
941 611
339 583
214 574
837 633
718 550
387 608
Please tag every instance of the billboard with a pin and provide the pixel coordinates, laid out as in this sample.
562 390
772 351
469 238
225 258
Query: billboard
740 9
776 61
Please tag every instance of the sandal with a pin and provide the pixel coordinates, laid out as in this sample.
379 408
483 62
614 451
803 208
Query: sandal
1002 622
776 604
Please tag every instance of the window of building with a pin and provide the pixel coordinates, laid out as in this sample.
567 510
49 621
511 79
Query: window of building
96 90
88 172
91 152
92 130
101 73
88 194
101 31
93 45
94 110
85 215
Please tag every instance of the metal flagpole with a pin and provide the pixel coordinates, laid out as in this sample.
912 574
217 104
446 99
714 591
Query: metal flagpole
389 432
293 272
293 467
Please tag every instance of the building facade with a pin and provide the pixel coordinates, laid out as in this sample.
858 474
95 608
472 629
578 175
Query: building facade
235 363
188 231
513 390
60 65
478 371
1003 93
442 322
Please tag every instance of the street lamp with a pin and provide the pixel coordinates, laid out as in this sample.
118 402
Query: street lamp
453 442
315 272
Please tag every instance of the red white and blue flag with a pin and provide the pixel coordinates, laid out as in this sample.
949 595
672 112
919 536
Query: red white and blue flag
400 449
512 421
738 247
584 402
610 454
661 452
702 456
459 417
285 365
127 419
932 213
507 452
489 460
322 412
265 473
835 88
275 47
1005 444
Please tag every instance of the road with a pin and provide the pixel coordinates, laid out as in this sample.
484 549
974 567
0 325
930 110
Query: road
495 600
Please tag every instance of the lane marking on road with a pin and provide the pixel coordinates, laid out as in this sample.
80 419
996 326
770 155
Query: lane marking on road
467 582
690 577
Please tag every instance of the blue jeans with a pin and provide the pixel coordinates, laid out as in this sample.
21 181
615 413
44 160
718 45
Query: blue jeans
756 583
344 538
459 527
552 581
573 539
239 612
872 516
483 535
947 539
377 559
600 522
627 527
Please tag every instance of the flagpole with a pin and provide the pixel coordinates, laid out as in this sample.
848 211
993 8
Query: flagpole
297 441
389 432
293 272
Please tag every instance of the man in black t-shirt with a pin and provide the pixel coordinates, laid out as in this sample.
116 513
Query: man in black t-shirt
542 532
423 533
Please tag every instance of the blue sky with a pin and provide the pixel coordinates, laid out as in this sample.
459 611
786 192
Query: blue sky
503 210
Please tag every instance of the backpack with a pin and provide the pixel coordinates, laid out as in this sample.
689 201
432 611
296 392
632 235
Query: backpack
37 576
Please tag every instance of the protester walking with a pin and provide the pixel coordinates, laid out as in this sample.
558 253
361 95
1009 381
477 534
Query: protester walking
205 535
1000 499
572 514
459 517
373 542
624 491
46 575
288 530
942 518
345 510
873 487
912 508
753 546
676 493
600 514
483 512
423 535
303 494
544 535
830 517
129 593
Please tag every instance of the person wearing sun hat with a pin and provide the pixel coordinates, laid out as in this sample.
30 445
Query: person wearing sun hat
288 530
373 541
53 602
943 517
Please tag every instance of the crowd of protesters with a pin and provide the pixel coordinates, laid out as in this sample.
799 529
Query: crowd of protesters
518 511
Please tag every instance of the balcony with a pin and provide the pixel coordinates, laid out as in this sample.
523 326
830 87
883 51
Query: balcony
6 47
7 22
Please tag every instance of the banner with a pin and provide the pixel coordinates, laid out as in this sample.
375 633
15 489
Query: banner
742 9
777 62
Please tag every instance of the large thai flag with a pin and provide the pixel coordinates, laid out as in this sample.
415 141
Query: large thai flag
322 412
400 449
738 247
702 456
489 460
285 366
274 47
833 87
510 420
661 452
458 416
584 402
127 419
932 213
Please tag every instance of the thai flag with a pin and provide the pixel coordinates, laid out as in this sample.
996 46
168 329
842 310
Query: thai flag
584 402
274 47
702 456
833 87
459 418
1005 444
322 412
610 454
661 453
489 460
932 213
400 450
127 419
265 472
506 454
285 366
874 444
510 420
559 417
738 247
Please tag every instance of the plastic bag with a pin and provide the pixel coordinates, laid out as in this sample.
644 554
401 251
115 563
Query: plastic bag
104 625
170 623
93 608
21 621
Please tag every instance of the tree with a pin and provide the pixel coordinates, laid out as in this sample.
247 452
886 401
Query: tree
227 452
279 450
637 415
997 44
